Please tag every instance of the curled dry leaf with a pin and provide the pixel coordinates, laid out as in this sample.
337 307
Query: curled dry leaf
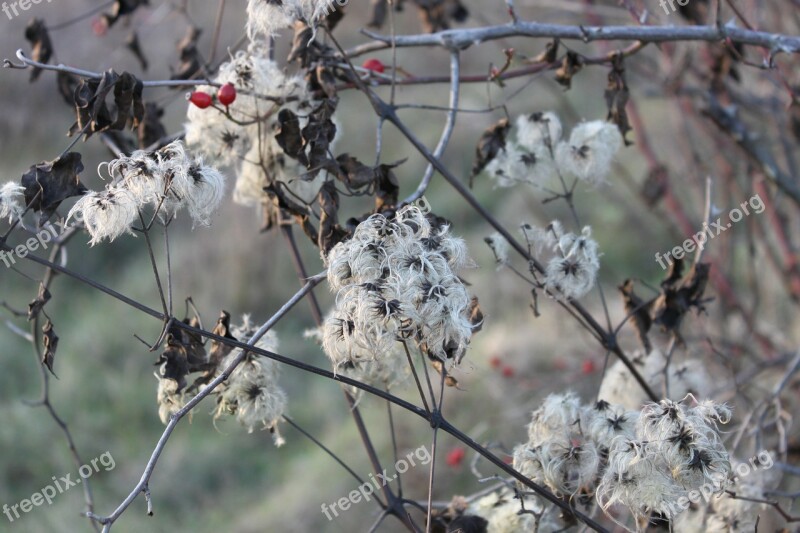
36 306
491 142
51 182
475 315
640 311
387 187
617 95
150 129
570 65
655 186
550 53
223 329
191 62
132 44
50 341
289 135
36 34
121 8
449 380
93 112
330 233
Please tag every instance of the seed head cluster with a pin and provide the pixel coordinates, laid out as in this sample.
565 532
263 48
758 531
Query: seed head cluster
251 394
675 449
395 280
502 512
166 181
243 136
688 375
571 272
643 460
537 154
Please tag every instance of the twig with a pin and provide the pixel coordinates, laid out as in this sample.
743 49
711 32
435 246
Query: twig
464 38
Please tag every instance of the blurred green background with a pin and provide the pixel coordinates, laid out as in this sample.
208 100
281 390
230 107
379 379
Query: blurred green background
221 478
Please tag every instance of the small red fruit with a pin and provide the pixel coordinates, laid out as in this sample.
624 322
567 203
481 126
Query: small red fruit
99 26
588 367
495 361
200 99
455 456
508 372
375 65
226 94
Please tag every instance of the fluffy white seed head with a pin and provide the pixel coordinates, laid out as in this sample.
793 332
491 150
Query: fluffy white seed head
590 151
225 141
538 130
252 394
395 280
107 214
515 165
500 248
12 201
501 510
166 181
642 460
170 401
205 192
571 272
267 17
686 376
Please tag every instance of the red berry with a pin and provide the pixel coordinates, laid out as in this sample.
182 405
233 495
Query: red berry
200 99
508 372
375 65
99 26
588 367
455 456
226 94
495 361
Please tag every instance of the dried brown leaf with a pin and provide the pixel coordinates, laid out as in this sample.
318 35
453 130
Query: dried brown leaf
36 34
50 342
36 306
51 182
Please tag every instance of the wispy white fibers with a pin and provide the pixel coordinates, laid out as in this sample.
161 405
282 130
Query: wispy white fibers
12 200
166 181
396 280
267 17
